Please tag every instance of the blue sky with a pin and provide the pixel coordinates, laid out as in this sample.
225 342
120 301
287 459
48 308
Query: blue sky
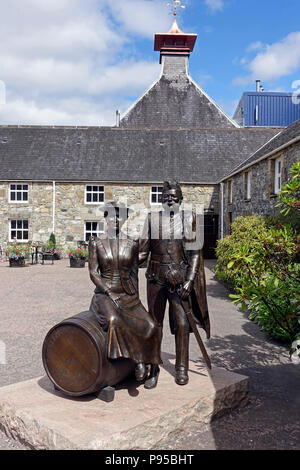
74 62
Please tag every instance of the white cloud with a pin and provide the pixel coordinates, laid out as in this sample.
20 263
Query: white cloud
274 61
279 59
215 5
254 46
58 53
143 17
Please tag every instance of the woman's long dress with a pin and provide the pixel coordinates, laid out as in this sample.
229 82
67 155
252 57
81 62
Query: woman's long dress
131 331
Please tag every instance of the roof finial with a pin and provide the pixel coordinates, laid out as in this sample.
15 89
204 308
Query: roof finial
175 5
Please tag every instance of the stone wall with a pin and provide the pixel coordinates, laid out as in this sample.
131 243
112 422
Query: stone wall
71 212
263 200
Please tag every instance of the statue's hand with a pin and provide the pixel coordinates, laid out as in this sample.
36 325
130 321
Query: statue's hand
114 298
186 289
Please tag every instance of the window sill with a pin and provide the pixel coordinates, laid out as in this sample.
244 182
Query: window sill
94 203
19 202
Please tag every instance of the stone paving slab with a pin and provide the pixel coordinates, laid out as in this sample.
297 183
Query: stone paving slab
41 418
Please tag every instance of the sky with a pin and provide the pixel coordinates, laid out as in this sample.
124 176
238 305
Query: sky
75 62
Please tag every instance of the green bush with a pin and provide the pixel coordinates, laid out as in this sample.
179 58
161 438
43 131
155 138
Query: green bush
260 262
52 241
245 231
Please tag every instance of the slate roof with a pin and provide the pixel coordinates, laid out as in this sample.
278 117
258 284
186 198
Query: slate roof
107 154
283 137
175 100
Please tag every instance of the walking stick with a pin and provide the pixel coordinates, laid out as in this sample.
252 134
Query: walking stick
186 304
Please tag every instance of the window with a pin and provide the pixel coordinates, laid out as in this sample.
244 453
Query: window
229 191
278 175
247 185
93 229
18 230
94 194
18 192
156 194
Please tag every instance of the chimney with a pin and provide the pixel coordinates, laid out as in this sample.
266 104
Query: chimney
174 42
118 118
258 87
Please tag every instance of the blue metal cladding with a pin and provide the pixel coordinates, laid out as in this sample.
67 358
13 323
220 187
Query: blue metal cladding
269 109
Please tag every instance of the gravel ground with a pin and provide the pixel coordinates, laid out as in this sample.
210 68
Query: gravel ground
35 298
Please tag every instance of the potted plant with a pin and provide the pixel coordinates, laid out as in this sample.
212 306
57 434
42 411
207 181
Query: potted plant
51 248
58 253
48 251
17 254
78 257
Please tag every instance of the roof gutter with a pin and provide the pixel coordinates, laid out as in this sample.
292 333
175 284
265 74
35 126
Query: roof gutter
278 149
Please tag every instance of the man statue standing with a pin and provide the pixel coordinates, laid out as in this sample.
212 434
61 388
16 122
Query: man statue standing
175 274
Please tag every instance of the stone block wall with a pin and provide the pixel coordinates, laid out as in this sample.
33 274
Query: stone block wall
263 201
71 212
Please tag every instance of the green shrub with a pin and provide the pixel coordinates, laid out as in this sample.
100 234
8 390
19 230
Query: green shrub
52 241
246 231
260 261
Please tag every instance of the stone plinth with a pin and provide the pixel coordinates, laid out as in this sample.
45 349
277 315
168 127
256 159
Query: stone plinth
42 418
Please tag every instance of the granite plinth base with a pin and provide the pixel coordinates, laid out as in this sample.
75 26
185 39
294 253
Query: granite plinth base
43 418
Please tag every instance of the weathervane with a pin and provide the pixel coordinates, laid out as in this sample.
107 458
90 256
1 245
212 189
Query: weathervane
174 7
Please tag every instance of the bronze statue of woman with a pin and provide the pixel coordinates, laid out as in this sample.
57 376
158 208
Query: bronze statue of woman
113 265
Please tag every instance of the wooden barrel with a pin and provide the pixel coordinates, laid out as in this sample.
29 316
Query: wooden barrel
74 357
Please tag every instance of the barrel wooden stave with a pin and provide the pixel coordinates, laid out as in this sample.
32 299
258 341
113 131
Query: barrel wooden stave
75 359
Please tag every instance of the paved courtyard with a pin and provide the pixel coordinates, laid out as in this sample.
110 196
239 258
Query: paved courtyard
34 298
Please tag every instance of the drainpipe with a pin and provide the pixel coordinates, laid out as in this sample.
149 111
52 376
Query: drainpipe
222 210
53 207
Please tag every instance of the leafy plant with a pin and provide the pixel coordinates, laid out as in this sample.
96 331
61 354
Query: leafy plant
17 252
78 253
260 261
52 240
289 195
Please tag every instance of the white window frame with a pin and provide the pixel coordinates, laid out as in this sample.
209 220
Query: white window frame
86 192
22 240
22 191
278 162
156 193
97 232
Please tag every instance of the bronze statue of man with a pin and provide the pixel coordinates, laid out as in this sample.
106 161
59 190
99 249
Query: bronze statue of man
175 273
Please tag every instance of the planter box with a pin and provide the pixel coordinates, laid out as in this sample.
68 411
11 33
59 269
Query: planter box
48 256
17 263
77 263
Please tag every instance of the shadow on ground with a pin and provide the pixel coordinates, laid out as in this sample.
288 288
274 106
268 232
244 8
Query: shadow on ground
271 419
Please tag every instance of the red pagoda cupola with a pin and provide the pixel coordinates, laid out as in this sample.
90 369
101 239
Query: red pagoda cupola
174 42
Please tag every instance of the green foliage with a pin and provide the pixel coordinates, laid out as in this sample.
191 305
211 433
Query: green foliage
260 261
289 195
52 241
78 253
245 236
17 251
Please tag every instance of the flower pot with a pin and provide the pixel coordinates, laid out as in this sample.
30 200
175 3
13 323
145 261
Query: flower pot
48 256
77 263
17 263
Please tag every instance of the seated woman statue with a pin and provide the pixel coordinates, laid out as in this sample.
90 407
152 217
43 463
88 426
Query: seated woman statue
113 265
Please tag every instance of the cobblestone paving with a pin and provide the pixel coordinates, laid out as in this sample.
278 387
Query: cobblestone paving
35 298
